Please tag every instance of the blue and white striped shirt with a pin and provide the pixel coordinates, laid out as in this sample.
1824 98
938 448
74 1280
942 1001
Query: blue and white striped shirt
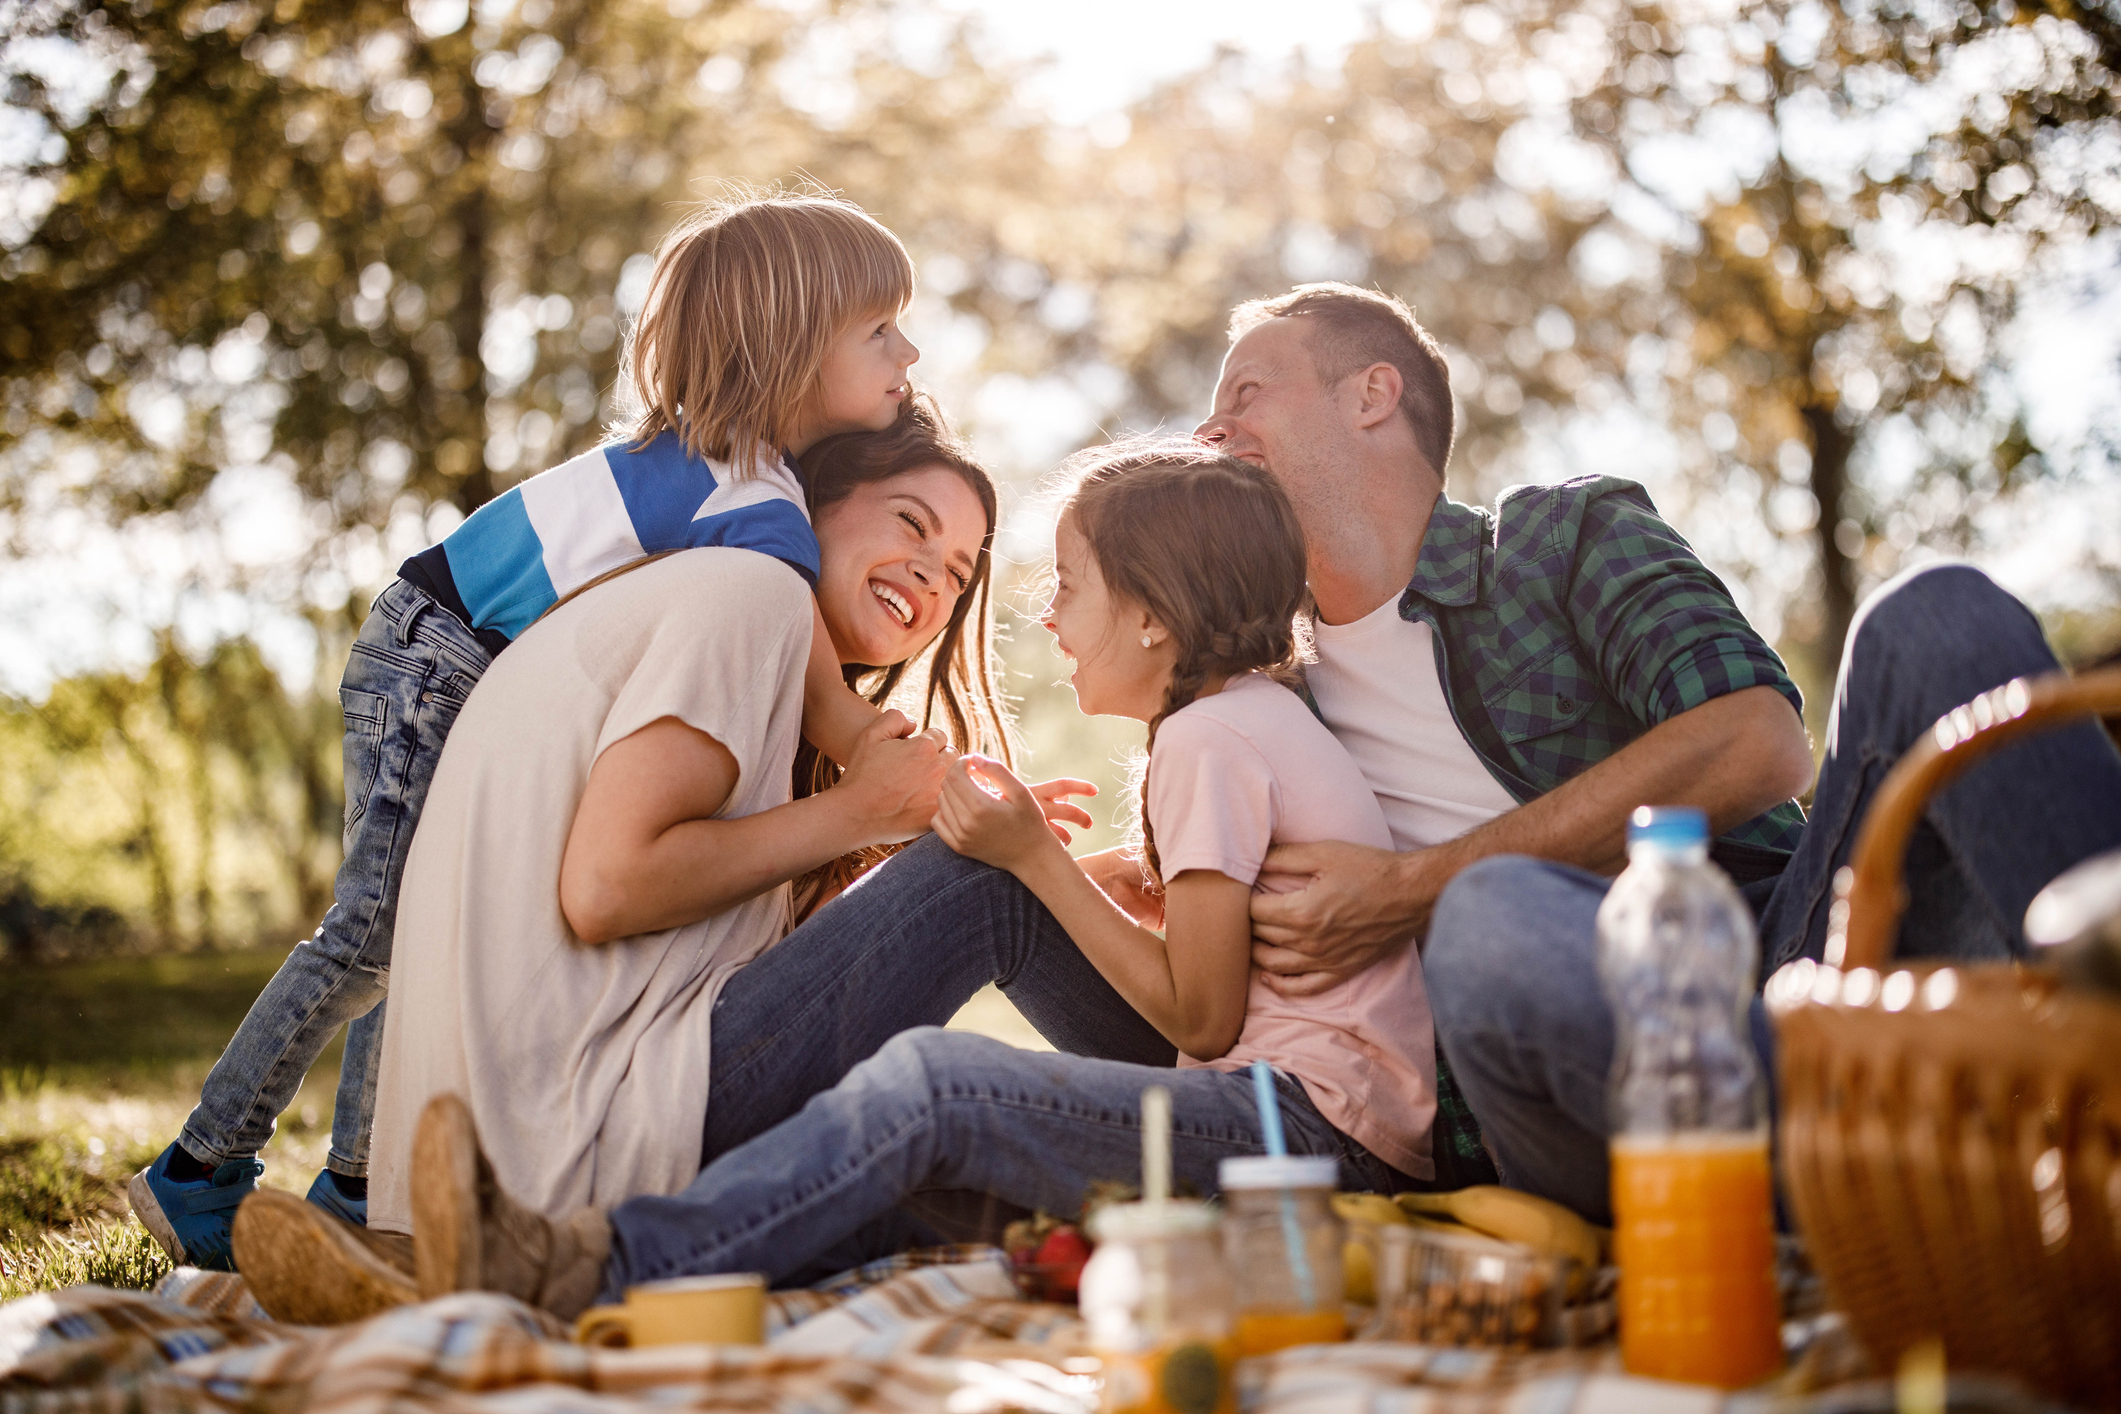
558 530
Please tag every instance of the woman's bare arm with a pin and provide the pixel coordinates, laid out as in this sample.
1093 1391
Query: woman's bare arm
644 852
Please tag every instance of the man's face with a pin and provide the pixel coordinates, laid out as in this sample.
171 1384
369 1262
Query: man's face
1272 410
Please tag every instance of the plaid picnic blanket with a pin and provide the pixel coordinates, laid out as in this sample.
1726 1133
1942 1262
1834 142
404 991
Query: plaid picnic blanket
919 1332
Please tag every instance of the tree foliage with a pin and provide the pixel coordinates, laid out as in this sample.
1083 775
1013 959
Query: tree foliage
1760 253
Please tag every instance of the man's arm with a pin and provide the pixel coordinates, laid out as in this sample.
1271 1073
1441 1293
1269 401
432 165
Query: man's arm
1734 756
1665 640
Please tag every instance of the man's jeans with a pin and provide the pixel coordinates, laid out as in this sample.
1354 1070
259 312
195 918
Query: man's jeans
408 675
823 1119
1511 962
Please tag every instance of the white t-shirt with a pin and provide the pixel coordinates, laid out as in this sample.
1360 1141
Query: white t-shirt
585 1066
1377 686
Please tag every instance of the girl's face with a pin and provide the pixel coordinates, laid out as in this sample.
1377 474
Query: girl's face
1114 673
862 382
897 555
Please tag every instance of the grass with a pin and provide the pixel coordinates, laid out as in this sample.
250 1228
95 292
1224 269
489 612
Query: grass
99 1064
101 1061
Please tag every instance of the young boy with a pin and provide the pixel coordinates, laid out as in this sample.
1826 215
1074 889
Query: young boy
769 325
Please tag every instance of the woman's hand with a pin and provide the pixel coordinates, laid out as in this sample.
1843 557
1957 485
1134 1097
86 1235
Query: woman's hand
892 781
1052 797
1001 822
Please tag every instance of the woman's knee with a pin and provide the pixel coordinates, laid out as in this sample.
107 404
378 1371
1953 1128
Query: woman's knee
928 873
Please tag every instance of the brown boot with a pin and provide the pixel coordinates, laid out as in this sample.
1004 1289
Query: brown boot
468 1235
313 1269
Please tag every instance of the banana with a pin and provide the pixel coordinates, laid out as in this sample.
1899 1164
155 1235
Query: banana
1368 1209
1546 1228
1358 1274
1363 1211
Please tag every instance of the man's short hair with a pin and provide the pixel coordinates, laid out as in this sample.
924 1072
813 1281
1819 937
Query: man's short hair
1352 328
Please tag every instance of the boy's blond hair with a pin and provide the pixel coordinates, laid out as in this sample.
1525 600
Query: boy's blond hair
746 296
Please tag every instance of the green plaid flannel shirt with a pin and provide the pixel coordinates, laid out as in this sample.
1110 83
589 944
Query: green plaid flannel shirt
1568 621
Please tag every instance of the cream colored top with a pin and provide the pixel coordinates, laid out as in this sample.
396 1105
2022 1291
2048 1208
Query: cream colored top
585 1067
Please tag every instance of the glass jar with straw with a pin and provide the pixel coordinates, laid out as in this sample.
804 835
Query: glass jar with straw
1281 1239
1156 1294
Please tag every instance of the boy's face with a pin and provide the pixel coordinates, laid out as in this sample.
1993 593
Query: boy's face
863 380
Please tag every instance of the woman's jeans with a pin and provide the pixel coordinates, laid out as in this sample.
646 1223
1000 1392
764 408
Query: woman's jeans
1511 961
830 1127
408 675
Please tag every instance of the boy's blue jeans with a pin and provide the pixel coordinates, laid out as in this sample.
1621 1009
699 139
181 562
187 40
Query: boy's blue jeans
834 1135
408 675
1511 961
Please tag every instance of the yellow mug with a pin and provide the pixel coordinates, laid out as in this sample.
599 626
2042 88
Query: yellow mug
716 1310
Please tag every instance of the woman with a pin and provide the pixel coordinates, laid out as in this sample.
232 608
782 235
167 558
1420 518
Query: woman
613 830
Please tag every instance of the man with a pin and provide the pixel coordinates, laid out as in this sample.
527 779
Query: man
1514 682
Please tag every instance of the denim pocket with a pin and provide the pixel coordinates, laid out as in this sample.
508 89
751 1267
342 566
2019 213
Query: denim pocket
449 689
366 714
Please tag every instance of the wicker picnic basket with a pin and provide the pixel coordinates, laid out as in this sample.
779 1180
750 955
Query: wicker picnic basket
1950 1136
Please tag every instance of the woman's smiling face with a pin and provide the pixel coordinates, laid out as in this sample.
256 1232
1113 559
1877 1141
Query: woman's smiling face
898 553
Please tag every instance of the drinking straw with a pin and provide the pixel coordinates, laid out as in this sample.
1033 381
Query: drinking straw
1156 1191
1291 1233
1269 1108
1156 1145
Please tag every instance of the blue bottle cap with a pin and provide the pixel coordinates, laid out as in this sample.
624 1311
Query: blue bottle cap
1669 826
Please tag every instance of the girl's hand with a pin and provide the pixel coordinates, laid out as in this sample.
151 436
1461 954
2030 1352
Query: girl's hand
1001 822
1052 798
893 781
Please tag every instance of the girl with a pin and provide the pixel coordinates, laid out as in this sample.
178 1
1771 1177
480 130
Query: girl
769 324
1180 574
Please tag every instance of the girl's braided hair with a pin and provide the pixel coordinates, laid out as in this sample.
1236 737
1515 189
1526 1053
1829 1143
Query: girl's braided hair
1211 548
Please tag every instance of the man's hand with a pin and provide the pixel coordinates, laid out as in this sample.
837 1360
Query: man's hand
1357 906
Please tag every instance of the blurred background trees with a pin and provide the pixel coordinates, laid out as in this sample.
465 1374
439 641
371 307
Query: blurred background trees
286 289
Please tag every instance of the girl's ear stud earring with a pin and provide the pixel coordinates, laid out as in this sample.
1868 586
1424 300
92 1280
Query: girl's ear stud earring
1146 642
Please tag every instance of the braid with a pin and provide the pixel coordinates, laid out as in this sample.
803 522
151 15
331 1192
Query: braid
1188 676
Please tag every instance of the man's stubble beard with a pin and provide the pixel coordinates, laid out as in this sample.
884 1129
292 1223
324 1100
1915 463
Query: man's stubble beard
1325 492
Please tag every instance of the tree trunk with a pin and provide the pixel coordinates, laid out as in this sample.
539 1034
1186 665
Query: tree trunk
473 134
1831 445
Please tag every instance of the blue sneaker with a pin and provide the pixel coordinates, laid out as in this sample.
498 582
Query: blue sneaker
326 1195
192 1220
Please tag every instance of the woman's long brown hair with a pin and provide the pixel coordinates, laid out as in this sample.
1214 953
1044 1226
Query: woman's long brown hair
960 690
1210 546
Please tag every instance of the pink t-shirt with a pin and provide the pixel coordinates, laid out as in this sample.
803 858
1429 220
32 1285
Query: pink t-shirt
1251 767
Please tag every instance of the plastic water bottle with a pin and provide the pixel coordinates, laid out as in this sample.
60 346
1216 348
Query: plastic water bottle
1692 1195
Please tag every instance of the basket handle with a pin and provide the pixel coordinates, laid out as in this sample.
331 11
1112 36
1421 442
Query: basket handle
1869 893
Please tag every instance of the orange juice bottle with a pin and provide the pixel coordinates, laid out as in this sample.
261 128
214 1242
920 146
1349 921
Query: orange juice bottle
1693 1197
1696 1244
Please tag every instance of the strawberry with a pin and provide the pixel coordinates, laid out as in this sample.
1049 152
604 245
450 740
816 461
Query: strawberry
1063 1254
